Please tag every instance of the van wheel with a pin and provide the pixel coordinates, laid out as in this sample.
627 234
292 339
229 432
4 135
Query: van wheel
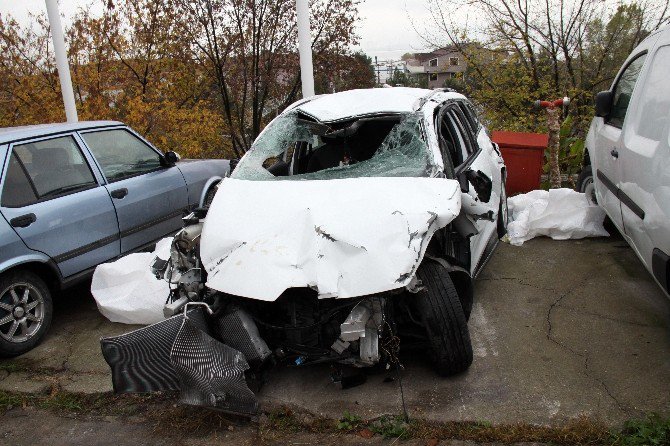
25 312
442 316
585 184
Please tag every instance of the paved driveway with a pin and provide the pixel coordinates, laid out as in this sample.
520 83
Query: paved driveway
559 329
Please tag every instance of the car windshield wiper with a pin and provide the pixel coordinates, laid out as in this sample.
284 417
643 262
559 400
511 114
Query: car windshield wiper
64 189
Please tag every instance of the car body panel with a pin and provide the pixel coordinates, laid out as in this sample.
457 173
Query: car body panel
14 251
69 226
80 230
78 233
200 175
638 197
344 237
333 107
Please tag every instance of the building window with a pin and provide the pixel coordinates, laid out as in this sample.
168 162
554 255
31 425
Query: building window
432 76
432 62
453 61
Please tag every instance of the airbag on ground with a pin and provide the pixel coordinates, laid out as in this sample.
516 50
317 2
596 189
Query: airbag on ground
557 213
126 291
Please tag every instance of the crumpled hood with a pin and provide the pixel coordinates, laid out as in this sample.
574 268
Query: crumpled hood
343 238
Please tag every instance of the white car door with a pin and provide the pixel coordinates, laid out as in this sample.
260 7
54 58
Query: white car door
645 167
461 147
608 141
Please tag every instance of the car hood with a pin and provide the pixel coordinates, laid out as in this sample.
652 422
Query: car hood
343 238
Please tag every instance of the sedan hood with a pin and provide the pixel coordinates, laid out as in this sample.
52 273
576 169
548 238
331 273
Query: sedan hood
343 238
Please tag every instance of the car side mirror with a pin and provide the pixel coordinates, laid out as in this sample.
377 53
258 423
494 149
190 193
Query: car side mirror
604 101
481 183
171 157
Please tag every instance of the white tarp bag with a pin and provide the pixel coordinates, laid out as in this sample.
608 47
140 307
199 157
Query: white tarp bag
557 213
126 291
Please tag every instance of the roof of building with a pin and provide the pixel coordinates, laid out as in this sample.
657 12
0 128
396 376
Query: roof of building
9 134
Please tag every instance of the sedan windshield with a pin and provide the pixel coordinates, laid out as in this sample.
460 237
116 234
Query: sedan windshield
295 147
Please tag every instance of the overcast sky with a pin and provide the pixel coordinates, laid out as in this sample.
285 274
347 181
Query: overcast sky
385 29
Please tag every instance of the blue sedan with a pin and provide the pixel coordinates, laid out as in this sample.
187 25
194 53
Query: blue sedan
73 196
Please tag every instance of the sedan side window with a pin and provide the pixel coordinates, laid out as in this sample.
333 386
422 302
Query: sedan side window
45 169
623 91
121 154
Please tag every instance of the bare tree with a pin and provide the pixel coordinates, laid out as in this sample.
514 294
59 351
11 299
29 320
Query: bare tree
250 46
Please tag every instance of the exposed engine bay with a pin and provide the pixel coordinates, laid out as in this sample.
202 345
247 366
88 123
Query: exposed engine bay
215 347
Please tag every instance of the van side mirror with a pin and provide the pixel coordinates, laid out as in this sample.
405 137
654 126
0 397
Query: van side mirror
604 101
171 157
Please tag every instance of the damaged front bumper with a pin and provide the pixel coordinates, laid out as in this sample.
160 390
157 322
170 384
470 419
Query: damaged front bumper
211 357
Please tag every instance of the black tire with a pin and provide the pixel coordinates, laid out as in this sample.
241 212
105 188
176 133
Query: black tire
503 217
209 196
20 281
442 316
585 183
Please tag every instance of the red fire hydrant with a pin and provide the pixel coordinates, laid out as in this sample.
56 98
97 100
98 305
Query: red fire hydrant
554 112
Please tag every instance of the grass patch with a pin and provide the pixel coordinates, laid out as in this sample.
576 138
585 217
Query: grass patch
349 421
653 430
167 418
579 431
17 365
391 427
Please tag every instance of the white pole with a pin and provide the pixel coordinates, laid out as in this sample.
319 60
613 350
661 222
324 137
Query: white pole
305 49
61 60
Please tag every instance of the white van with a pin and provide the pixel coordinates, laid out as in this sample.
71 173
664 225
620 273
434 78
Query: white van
627 163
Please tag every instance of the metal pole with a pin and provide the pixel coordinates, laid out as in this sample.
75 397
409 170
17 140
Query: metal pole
305 48
61 60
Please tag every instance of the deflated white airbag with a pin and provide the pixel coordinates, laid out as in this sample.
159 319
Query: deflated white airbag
343 238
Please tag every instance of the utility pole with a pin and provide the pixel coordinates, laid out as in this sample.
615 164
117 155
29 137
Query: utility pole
305 48
61 60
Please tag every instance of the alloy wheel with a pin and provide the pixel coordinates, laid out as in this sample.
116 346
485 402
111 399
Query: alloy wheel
21 312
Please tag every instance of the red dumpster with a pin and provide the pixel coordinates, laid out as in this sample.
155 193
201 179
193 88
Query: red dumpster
524 156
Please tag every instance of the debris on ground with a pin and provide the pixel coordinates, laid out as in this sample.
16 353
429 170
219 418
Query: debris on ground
127 292
557 213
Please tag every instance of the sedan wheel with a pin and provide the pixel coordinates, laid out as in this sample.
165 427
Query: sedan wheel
25 312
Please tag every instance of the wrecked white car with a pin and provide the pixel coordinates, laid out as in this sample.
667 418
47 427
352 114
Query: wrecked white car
352 228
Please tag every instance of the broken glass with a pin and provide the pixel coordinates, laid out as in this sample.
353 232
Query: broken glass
402 153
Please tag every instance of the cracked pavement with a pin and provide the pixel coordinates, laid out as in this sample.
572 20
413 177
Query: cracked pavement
559 329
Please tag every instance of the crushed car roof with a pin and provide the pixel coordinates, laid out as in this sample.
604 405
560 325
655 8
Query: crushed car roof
345 104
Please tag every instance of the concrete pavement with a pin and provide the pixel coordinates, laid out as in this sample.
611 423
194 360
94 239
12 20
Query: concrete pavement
559 329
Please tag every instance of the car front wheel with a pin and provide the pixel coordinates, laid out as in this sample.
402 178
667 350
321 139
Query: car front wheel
441 313
25 312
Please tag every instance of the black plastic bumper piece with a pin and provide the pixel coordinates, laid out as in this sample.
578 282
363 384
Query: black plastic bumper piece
180 354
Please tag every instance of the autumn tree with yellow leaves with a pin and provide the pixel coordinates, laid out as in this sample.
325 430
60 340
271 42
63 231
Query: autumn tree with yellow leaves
201 77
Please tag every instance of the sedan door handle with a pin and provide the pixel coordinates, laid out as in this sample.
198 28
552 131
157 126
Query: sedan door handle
614 153
23 221
119 193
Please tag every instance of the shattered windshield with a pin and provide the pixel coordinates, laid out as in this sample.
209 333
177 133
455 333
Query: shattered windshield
295 147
